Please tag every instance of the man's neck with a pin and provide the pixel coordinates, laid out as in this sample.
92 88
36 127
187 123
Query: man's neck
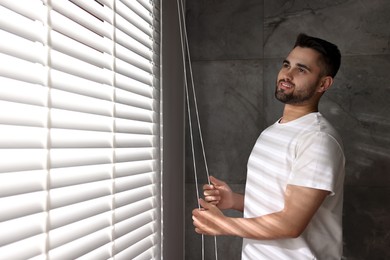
292 112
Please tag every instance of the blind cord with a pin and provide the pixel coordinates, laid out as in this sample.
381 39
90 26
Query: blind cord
189 114
183 35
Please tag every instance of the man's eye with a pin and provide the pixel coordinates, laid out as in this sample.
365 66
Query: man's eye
301 70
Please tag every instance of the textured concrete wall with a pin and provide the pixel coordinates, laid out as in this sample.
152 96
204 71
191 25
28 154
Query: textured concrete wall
237 48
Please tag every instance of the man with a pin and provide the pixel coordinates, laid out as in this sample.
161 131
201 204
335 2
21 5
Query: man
294 191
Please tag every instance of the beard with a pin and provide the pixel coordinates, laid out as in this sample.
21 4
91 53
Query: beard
295 96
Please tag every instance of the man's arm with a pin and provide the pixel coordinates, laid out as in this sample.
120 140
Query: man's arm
301 203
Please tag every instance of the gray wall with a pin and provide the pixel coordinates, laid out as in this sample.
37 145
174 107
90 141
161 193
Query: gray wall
237 48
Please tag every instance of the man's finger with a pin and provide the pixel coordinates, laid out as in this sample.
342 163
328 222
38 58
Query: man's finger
212 198
208 187
195 212
197 230
216 181
204 204
211 192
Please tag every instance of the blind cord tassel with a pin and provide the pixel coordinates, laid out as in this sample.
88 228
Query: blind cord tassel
185 46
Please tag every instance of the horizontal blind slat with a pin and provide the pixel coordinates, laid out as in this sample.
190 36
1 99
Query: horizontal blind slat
134 86
22 205
33 9
69 157
22 26
32 246
36 116
134 58
132 168
17 91
133 39
15 183
63 235
74 84
135 19
135 100
33 159
74 102
134 127
145 250
134 225
139 10
18 229
69 176
75 31
148 5
134 181
22 48
68 138
75 212
82 246
66 196
22 137
126 197
134 113
80 51
22 70
139 44
136 211
102 252
135 154
137 248
101 11
151 253
81 121
71 65
86 19
134 72
135 140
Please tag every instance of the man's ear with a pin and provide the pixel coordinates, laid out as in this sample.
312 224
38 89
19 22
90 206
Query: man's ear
325 83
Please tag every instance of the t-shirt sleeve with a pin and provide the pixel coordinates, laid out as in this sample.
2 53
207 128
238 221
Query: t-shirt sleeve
318 162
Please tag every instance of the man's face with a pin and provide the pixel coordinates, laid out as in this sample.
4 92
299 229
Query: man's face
299 78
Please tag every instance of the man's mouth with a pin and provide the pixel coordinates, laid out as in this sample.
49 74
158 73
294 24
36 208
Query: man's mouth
285 85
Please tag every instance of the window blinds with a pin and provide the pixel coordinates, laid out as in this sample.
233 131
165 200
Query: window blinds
79 129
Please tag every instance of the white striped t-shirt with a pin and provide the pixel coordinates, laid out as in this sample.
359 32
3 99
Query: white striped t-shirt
305 152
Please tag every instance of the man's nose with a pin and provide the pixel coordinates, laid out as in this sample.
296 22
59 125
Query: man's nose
288 75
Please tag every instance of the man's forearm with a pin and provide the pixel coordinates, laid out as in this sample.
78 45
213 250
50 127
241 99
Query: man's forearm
301 203
273 226
238 202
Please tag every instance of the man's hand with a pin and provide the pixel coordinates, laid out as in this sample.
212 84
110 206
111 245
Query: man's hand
209 220
220 194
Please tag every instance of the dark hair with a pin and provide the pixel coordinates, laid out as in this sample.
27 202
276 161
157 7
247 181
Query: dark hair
329 52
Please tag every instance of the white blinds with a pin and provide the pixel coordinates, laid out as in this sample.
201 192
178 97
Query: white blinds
79 129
